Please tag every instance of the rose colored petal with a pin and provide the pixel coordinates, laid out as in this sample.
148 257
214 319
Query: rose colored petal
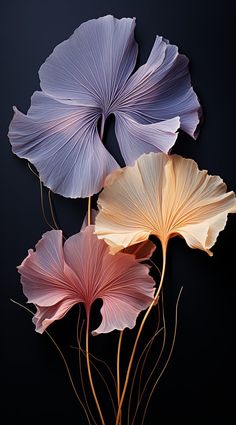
120 281
164 196
119 314
44 277
48 282
142 251
161 89
63 143
135 138
45 316
55 278
93 64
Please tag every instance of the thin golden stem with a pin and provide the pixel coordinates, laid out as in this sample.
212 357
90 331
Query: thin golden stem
118 369
90 375
89 210
164 247
81 350
157 361
168 358
64 361
147 353
42 206
146 348
100 361
32 171
41 197
51 209
158 324
79 336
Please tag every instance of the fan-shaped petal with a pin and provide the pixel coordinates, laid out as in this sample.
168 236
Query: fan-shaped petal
164 196
161 89
43 273
120 314
45 316
62 142
55 278
93 64
135 139
118 280
87 78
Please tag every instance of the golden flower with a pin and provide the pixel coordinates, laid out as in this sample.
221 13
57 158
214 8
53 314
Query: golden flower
163 195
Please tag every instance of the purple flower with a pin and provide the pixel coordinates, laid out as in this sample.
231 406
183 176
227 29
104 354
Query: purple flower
87 78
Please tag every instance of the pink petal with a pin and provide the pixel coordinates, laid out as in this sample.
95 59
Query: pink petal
119 280
161 89
63 143
135 138
55 280
47 315
93 64
45 279
119 314
84 254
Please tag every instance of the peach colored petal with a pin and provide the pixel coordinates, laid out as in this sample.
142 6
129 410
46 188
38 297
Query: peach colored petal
165 196
142 251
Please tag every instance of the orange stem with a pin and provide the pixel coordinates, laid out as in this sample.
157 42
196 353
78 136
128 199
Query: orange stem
164 247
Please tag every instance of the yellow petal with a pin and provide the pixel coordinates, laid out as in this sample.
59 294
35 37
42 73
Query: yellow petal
164 196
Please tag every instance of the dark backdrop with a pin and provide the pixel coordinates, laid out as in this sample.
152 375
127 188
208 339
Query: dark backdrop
199 384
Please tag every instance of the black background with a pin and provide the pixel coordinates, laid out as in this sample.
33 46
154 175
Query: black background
199 384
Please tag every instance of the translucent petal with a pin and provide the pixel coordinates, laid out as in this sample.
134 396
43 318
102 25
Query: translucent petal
161 89
93 64
62 142
164 196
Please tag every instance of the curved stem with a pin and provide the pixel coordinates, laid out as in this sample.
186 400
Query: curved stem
64 361
158 324
51 209
79 336
156 363
146 355
146 348
169 356
89 210
164 247
118 369
102 127
90 375
81 350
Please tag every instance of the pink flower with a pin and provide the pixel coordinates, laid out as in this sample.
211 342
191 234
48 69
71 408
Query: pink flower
56 277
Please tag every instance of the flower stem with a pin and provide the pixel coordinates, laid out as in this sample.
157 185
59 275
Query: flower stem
169 356
102 127
164 247
90 375
118 369
63 358
89 210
